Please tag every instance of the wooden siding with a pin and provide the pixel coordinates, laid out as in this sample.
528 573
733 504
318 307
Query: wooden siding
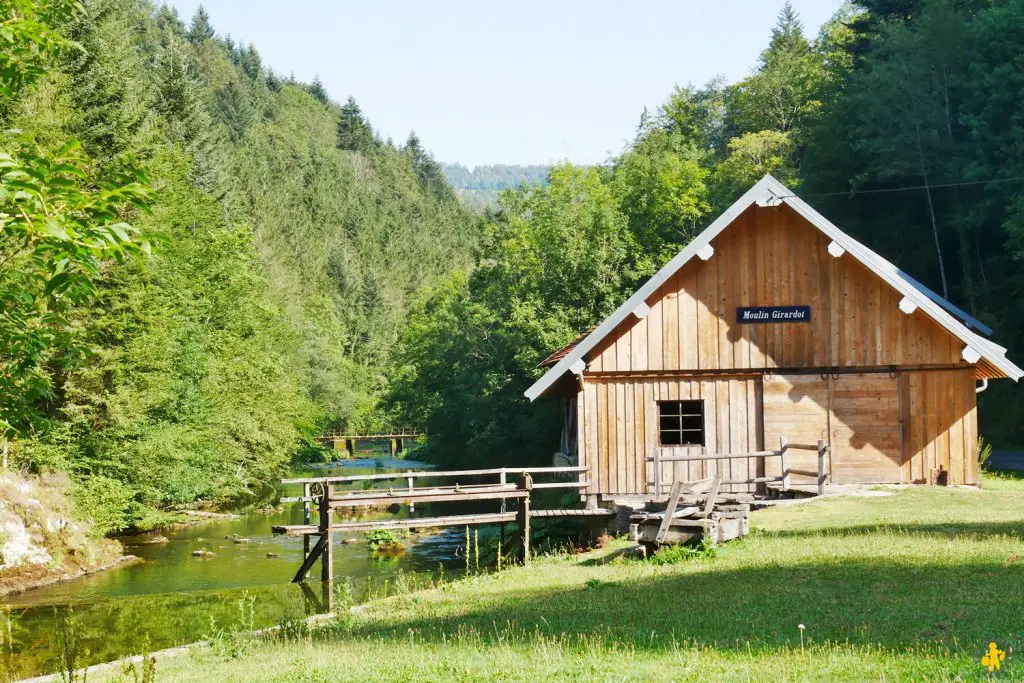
769 257
797 407
619 430
865 429
940 426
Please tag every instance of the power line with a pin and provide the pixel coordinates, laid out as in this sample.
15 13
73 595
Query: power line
907 189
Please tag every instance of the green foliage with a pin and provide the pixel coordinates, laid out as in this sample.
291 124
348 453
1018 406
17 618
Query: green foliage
674 554
554 260
274 302
381 537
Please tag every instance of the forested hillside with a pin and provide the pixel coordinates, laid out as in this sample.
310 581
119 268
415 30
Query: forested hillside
479 187
286 243
204 262
900 121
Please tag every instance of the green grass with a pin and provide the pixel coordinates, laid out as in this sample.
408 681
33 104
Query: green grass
912 585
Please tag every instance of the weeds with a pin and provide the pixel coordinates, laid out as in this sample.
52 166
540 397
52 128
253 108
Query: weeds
145 672
71 652
674 554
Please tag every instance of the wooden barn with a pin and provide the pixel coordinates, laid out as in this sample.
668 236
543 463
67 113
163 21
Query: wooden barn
774 327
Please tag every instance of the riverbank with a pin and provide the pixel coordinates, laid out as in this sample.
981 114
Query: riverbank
911 585
41 542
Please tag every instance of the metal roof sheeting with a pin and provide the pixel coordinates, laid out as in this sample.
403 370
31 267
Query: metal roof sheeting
770 192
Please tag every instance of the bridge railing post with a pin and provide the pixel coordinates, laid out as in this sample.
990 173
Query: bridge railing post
307 517
327 558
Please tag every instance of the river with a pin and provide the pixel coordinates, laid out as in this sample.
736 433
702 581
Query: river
172 597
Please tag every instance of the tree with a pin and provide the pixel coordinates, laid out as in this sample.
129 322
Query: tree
780 96
660 184
555 260
750 157
200 29
317 90
61 220
235 109
354 131
427 170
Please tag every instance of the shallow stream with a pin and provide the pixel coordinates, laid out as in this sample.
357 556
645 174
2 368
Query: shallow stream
171 597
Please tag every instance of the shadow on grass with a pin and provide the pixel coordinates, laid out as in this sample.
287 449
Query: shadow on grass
893 603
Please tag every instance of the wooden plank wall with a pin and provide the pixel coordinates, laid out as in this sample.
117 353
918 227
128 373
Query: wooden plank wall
865 425
797 407
940 425
772 256
619 430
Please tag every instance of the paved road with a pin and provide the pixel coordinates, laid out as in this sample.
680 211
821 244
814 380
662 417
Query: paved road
1006 460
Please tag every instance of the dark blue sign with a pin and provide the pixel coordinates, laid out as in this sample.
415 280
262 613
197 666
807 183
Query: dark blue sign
773 314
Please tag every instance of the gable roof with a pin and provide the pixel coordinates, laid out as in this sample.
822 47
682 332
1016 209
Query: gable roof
770 192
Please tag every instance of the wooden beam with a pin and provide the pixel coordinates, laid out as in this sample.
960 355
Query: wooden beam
670 509
907 306
310 558
836 249
641 310
433 474
970 354
403 497
706 252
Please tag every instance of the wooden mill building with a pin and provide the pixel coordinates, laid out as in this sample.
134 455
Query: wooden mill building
774 323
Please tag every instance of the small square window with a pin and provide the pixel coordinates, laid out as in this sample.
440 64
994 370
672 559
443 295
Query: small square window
681 423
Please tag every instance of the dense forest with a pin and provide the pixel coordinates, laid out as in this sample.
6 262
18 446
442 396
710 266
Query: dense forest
479 187
204 263
900 120
270 247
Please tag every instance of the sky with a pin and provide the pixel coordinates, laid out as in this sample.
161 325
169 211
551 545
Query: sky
527 82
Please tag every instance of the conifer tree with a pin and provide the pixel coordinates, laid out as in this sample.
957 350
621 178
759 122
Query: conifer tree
354 131
201 29
317 90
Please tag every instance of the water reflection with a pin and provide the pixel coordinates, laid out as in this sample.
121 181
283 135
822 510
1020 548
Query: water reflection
173 597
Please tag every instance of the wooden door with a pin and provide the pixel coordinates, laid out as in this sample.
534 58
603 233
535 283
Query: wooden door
796 406
866 431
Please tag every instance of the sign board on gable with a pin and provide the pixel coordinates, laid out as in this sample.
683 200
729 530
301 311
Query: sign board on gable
773 314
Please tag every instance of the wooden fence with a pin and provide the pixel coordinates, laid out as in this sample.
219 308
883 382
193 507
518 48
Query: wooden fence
321 493
785 478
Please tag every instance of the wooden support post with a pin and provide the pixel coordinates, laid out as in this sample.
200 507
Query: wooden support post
657 471
326 535
412 504
307 518
821 467
784 449
503 479
524 515
350 447
399 445
392 446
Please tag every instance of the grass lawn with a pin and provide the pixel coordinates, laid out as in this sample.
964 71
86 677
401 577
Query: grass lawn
905 584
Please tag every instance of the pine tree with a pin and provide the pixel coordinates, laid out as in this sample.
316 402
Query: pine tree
250 63
201 28
317 90
354 131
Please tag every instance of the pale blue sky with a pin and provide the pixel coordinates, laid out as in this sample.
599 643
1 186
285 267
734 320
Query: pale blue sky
518 83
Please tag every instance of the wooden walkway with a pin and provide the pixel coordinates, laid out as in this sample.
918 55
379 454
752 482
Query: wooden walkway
321 493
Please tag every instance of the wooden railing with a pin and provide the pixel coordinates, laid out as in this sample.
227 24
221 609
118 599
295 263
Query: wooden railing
321 492
785 478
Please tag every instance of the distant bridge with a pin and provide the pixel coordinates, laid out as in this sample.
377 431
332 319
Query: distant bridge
346 440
